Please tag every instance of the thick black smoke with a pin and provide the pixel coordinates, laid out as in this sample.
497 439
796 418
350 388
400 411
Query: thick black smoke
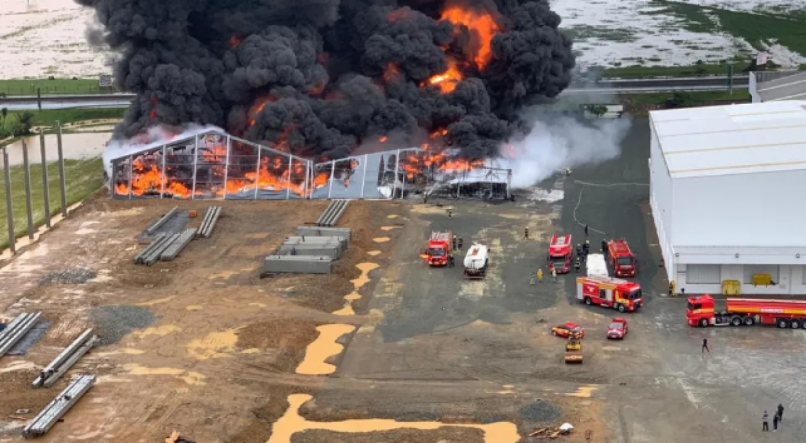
326 76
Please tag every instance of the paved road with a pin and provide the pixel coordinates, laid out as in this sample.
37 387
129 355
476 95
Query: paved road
627 86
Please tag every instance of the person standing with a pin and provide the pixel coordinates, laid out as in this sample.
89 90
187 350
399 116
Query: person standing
450 213
780 412
604 247
526 232
671 288
540 276
775 423
554 275
453 242
451 262
586 231
461 242
705 348
765 426
577 264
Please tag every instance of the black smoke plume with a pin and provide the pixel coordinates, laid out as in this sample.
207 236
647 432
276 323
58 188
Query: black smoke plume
326 76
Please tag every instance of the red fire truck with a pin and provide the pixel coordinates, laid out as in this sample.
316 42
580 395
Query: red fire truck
700 311
560 253
622 259
439 248
610 292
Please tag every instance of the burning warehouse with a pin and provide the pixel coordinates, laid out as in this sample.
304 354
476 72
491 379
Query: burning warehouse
320 80
207 163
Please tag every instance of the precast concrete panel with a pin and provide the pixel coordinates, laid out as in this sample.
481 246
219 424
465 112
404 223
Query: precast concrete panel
323 231
298 264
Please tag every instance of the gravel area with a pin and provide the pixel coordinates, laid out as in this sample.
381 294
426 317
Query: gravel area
113 322
540 411
68 277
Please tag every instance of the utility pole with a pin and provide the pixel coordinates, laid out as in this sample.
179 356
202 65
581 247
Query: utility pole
730 78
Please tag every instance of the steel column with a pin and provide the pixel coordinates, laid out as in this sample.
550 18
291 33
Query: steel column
195 164
45 179
226 166
164 174
131 174
332 175
62 179
397 169
308 171
257 169
288 184
364 178
28 206
9 208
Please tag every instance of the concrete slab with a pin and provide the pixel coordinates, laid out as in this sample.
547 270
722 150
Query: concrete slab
342 242
323 231
298 264
327 250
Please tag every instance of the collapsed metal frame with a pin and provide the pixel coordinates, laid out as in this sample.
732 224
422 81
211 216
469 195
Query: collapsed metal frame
391 182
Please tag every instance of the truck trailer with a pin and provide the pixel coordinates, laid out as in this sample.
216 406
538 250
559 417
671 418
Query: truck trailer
476 261
701 311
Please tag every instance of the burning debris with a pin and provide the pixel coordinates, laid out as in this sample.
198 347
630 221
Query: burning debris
319 79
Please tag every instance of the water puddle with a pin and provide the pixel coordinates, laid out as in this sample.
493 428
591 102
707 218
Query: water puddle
213 345
189 377
157 301
291 423
381 239
158 330
324 347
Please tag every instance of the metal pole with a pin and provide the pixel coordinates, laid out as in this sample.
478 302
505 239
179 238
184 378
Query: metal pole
45 179
28 207
332 175
402 183
195 164
163 173
62 179
288 182
9 209
131 174
257 170
226 166
397 168
308 171
364 178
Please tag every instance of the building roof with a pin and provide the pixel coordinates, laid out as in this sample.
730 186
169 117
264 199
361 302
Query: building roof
790 87
732 139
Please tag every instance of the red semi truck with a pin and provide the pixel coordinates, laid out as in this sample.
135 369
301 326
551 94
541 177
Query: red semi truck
701 311
621 258
439 248
560 253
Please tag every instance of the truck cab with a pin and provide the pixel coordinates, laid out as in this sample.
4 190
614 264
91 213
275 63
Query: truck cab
622 259
560 253
439 248
700 310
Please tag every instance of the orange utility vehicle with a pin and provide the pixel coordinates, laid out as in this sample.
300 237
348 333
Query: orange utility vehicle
439 248
560 253
622 259
701 311
610 292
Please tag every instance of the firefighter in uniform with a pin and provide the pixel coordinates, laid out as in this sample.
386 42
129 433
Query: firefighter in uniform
604 247
453 241
526 232
540 276
579 249
577 264
450 213
671 288
587 246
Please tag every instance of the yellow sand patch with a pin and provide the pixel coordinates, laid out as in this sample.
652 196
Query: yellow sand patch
157 301
291 423
389 228
583 392
322 348
159 330
376 317
189 377
352 296
193 307
391 216
223 275
258 235
214 345
373 253
363 279
381 239
508 389
250 351
131 351
346 310
258 304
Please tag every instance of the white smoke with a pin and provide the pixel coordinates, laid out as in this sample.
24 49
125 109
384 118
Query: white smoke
559 142
154 137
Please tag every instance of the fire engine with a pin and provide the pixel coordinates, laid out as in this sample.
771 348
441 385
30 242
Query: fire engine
621 258
439 248
700 311
610 292
560 253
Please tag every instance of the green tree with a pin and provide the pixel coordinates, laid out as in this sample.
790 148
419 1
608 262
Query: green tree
25 121
4 114
597 110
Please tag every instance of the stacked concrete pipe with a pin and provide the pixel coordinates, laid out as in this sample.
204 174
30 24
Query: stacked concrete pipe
333 213
16 330
65 360
56 409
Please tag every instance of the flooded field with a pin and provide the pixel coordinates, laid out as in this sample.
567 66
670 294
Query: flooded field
41 38
74 146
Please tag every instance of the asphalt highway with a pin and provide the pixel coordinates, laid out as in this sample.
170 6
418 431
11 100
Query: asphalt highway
631 86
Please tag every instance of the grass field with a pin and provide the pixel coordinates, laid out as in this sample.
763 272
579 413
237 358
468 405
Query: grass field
50 87
758 29
82 178
48 117
739 94
674 71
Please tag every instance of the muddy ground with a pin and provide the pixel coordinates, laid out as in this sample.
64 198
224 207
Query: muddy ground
204 346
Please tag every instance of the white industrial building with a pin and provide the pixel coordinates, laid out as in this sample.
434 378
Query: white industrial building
728 196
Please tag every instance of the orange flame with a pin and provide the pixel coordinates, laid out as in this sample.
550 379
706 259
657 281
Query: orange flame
235 41
446 81
391 72
383 139
258 107
482 26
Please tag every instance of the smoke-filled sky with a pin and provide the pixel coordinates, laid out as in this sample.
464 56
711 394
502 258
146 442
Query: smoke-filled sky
322 77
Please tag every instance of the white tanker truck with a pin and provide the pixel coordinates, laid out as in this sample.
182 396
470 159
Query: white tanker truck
476 261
